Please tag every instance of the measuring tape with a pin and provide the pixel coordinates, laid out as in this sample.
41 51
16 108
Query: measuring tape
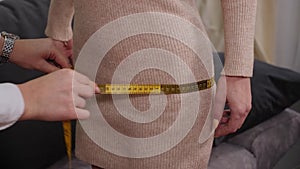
138 89
155 88
67 126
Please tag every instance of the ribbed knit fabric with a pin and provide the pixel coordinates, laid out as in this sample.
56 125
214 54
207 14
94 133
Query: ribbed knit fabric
60 19
92 15
239 23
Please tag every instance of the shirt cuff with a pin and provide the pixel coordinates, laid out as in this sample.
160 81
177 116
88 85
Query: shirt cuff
11 105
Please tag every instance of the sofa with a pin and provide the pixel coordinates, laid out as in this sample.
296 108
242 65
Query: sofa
260 147
270 130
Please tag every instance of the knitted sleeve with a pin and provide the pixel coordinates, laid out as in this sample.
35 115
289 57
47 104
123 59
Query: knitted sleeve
239 28
60 19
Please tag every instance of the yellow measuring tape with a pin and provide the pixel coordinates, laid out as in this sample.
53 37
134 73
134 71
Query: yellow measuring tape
138 89
155 88
68 140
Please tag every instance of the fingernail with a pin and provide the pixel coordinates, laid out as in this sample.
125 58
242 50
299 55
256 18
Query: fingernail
97 90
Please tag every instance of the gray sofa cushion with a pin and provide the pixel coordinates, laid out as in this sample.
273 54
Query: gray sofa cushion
230 156
270 140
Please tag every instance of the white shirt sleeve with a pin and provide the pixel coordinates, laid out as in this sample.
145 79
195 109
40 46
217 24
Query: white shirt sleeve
11 105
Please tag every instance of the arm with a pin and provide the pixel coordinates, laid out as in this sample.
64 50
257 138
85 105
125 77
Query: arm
36 54
60 19
65 89
239 28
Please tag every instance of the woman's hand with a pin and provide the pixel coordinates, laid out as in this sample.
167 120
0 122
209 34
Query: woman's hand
236 91
46 55
57 96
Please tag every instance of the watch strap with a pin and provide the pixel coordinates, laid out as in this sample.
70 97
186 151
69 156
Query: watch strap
9 41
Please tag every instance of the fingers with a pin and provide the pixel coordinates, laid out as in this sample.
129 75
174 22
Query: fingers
97 90
83 90
220 98
62 60
81 79
62 52
231 121
225 117
47 67
79 102
80 93
82 113
219 101
79 113
238 96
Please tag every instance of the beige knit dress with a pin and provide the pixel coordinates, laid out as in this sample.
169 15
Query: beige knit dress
163 35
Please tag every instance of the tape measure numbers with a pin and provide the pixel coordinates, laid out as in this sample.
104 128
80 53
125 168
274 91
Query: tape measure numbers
155 88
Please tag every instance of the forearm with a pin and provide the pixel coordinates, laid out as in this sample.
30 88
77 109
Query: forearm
60 19
239 28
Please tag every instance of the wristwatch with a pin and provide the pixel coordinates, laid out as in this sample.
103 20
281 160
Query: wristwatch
8 45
